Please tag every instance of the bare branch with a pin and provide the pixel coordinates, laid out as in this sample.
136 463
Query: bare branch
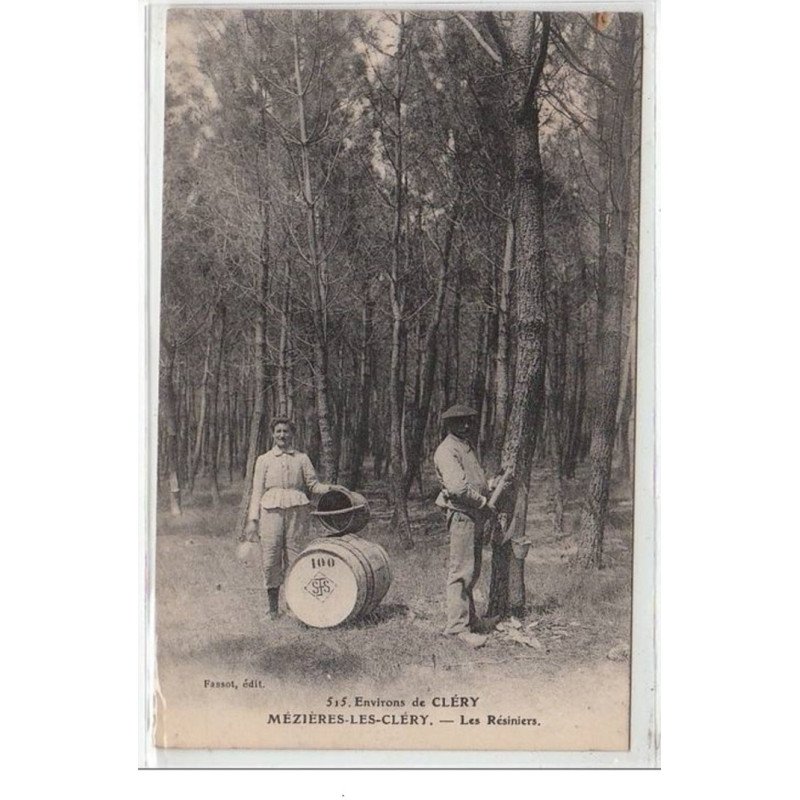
490 20
574 61
480 40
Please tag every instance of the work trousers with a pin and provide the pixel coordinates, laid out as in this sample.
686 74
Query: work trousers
283 531
466 539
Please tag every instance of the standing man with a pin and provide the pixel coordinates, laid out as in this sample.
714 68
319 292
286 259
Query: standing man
464 496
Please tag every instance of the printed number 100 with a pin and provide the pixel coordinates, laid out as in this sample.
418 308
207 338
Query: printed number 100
321 562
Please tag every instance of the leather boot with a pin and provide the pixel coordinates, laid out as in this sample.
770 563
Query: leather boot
272 598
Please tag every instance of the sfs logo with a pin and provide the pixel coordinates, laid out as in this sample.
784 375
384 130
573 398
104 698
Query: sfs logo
320 587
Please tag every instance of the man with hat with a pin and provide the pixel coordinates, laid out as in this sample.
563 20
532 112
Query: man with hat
464 496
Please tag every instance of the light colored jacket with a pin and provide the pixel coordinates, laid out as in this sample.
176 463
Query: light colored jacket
461 476
281 480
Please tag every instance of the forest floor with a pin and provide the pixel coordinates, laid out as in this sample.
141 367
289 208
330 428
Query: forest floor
570 652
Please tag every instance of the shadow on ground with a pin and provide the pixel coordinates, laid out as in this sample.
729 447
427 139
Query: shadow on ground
308 661
383 613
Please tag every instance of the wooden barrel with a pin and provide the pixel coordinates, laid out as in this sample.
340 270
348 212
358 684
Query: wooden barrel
341 511
336 579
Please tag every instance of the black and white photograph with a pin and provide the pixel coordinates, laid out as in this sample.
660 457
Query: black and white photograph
403 461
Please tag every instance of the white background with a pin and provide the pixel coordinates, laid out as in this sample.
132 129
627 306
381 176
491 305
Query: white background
72 236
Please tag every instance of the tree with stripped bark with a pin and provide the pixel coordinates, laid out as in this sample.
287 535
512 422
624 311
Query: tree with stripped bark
518 45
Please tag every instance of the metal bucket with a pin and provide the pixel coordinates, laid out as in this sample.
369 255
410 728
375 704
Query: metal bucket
341 511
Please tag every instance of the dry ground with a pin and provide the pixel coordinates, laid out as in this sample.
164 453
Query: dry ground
211 626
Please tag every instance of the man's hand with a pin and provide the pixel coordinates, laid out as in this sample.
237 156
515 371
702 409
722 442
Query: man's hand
505 474
488 509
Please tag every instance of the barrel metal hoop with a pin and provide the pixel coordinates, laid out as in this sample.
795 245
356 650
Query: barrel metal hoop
369 575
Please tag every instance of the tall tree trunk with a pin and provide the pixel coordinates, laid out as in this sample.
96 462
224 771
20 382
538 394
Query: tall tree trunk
577 409
531 325
427 371
627 391
477 383
617 127
329 460
623 426
487 409
246 419
455 343
556 375
604 428
170 411
204 398
501 378
364 391
397 302
351 410
523 422
213 443
258 423
284 353
340 391
187 420
230 419
396 405
444 389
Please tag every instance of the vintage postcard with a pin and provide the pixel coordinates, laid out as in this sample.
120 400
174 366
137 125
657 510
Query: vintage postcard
402 445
